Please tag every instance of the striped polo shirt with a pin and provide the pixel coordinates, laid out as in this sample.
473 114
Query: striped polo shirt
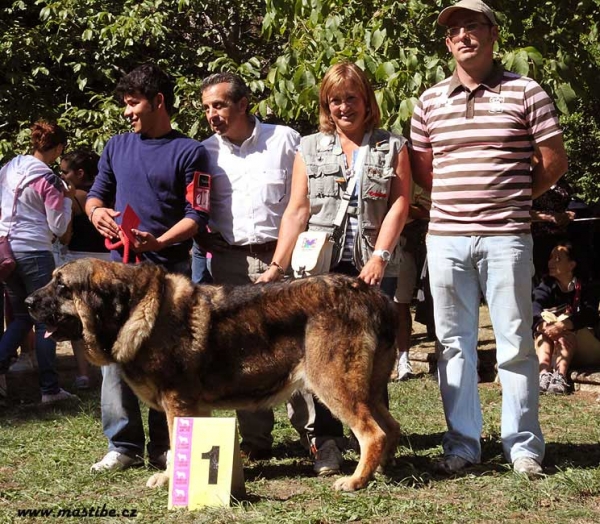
483 145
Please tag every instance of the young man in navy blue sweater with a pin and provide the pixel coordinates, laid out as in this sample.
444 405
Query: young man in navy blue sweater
149 170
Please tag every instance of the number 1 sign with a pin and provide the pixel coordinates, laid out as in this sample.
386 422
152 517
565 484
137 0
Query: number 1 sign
207 467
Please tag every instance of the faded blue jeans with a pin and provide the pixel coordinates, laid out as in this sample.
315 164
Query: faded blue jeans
121 416
461 268
33 271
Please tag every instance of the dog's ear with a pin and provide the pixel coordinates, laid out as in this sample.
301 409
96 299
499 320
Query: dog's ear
144 287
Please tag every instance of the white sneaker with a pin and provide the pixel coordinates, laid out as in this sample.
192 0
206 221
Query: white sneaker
528 466
328 459
114 460
57 397
405 370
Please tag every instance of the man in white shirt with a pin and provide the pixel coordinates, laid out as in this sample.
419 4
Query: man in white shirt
250 164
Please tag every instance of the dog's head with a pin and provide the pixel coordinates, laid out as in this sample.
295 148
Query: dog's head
93 300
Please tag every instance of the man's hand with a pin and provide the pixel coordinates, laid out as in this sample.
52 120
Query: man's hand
103 220
145 241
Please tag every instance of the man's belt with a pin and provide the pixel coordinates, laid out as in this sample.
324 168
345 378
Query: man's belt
255 248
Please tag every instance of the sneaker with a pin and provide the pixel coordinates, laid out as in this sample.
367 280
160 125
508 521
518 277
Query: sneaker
452 464
558 384
57 397
82 382
3 390
405 371
328 459
528 466
25 362
545 379
114 460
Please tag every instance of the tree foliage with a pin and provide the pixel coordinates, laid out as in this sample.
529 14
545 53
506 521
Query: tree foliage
62 58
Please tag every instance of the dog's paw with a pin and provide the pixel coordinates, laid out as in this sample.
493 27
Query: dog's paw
349 484
158 480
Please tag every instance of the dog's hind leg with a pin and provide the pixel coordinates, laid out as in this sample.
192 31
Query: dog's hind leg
350 395
392 431
373 444
385 357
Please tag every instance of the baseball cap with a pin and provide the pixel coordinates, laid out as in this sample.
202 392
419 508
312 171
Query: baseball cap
471 5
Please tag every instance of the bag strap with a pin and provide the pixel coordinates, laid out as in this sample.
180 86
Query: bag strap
14 207
357 166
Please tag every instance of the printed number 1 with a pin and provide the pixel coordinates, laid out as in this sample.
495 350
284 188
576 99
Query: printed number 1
213 465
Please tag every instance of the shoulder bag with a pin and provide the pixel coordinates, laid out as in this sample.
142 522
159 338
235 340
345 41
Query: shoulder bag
7 257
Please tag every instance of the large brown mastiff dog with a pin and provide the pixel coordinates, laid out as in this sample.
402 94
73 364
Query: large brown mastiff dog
188 349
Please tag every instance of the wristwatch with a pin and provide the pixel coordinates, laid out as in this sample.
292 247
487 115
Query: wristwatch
384 254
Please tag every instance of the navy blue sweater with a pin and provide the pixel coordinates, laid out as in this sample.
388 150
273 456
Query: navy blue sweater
151 175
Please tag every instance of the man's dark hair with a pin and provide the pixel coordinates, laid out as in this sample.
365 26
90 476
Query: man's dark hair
237 87
148 80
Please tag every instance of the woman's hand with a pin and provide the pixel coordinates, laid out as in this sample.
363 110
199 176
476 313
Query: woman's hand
373 271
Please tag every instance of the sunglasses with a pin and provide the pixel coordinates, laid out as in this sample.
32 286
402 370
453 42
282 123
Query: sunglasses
454 32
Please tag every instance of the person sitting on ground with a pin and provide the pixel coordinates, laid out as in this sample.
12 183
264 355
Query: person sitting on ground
34 206
565 311
549 221
78 169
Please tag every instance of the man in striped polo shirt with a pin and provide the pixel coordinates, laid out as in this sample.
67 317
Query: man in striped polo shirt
486 142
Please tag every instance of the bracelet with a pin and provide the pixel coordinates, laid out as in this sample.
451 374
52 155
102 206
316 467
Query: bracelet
280 270
92 213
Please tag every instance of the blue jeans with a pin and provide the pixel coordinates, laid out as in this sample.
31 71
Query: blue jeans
200 266
121 417
461 268
33 271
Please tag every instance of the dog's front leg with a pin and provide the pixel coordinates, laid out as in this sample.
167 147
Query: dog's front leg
161 478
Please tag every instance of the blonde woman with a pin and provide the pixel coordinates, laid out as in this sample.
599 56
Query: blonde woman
349 145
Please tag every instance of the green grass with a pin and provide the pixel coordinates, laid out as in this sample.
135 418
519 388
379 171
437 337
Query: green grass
45 455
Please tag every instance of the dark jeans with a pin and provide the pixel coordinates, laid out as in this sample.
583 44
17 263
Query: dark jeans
33 271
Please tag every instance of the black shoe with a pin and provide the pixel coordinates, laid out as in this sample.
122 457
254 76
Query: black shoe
251 453
159 461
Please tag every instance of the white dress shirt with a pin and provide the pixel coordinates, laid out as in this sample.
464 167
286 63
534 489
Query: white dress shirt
251 183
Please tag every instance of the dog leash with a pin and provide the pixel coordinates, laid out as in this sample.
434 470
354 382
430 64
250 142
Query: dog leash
124 243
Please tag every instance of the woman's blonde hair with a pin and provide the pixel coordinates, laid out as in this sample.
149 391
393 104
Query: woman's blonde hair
338 75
